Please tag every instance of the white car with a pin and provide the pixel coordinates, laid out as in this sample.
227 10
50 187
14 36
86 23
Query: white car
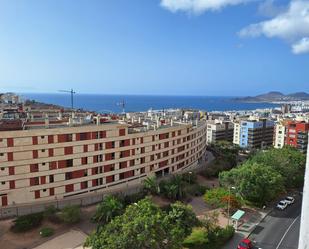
282 205
289 200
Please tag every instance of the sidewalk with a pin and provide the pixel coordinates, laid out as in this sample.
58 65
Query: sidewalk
250 220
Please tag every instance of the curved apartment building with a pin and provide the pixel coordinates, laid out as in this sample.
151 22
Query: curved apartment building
43 164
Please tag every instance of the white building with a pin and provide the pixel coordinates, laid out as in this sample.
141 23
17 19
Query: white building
279 135
219 130
236 136
304 223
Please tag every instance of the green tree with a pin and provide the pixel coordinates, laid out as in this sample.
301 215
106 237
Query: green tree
110 207
173 188
218 197
288 161
142 226
256 182
198 239
151 185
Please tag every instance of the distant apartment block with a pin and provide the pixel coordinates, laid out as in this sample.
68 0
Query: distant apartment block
218 130
279 135
297 135
254 134
236 135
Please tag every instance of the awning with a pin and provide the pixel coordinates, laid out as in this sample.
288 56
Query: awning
238 214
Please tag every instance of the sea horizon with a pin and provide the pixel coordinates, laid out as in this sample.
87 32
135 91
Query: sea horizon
111 103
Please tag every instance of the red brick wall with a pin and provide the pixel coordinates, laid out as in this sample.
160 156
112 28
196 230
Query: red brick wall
50 139
51 152
12 170
4 200
51 191
35 154
10 142
68 150
122 132
69 188
37 194
43 179
12 184
34 140
10 156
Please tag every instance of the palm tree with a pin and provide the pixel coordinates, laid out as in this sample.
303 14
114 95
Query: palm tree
151 186
108 209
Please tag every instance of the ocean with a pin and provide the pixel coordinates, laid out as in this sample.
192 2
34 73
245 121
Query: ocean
134 103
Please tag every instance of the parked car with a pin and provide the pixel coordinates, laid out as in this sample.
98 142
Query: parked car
247 244
282 205
289 200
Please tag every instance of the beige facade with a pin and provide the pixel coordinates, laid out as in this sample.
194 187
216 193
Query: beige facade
279 137
236 136
219 130
40 165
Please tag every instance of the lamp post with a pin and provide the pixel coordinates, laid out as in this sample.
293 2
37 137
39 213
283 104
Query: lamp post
190 173
228 205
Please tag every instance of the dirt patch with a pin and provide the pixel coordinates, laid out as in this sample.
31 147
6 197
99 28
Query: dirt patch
30 239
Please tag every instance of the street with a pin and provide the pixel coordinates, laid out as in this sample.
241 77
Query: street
280 229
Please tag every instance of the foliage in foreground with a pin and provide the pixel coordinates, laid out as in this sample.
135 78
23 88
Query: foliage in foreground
261 178
144 225
46 232
208 236
219 197
27 222
110 207
178 187
70 214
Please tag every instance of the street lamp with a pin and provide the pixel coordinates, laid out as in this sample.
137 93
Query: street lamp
190 173
228 205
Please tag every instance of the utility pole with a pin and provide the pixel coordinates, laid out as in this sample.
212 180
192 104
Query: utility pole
304 222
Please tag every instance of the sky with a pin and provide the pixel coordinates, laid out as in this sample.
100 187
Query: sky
158 47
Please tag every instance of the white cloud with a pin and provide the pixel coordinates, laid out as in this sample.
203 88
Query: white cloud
301 46
271 8
291 25
199 6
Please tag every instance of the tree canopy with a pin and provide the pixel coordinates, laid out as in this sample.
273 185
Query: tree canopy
143 225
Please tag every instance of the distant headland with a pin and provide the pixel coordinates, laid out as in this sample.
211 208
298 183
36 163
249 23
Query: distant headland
274 96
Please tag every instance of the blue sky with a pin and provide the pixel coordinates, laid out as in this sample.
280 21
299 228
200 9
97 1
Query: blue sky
170 47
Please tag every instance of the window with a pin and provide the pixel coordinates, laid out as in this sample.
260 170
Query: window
42 137
1 154
44 190
68 175
51 178
70 163
2 168
2 183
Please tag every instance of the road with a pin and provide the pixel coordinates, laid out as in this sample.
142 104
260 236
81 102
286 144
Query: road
280 229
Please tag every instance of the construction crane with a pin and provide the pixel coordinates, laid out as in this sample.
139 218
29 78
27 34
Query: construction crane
71 92
122 104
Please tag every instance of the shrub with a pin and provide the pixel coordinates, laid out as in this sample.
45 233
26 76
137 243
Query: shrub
27 222
109 208
70 214
49 211
198 239
46 232
195 190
